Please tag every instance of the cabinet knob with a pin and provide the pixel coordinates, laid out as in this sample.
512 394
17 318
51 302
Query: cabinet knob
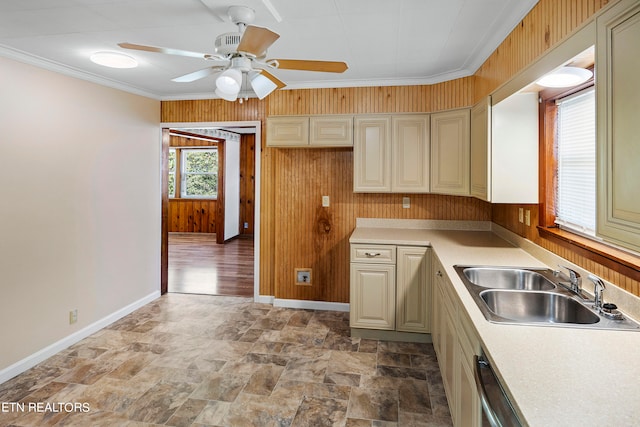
439 273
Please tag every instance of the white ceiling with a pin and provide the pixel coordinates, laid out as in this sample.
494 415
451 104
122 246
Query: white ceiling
384 42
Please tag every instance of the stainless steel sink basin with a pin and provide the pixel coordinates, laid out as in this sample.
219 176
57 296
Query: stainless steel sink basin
535 306
533 296
508 278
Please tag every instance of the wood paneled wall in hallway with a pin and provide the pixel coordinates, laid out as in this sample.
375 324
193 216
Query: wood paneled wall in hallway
192 216
247 183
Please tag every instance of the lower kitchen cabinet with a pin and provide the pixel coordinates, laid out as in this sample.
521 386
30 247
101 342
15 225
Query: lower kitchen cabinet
456 343
373 296
390 290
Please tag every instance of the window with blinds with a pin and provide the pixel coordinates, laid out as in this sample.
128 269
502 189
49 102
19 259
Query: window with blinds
576 156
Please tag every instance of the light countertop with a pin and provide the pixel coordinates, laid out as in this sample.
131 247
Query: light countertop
555 376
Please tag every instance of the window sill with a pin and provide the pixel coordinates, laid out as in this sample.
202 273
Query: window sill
615 259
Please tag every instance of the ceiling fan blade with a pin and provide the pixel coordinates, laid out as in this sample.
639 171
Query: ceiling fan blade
197 75
305 65
273 78
256 40
166 50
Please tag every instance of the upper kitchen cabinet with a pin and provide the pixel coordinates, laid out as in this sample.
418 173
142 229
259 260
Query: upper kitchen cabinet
391 153
288 131
618 127
479 150
310 131
410 154
331 131
504 150
450 152
372 154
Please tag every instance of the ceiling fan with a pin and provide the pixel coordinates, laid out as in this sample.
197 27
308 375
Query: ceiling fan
240 58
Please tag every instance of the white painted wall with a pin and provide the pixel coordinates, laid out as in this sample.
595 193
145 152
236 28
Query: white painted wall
231 189
79 206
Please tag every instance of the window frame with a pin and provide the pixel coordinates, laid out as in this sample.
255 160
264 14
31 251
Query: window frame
624 261
576 228
184 174
548 160
172 172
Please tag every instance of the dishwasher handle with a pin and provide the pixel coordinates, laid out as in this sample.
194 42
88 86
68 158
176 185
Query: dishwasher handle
500 413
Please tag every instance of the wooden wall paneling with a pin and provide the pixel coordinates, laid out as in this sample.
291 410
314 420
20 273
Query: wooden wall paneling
192 216
247 182
164 212
548 23
290 196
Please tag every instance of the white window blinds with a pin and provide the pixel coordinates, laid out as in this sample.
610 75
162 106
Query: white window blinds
576 195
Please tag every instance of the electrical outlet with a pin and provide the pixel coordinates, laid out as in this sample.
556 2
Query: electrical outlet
406 202
73 316
303 276
521 215
527 217
325 201
246 225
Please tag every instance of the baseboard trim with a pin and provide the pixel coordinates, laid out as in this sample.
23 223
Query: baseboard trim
263 299
41 355
311 305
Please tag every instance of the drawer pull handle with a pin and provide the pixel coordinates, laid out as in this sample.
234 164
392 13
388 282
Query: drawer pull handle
372 254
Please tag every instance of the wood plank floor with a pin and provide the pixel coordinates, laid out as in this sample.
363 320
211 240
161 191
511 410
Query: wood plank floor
198 265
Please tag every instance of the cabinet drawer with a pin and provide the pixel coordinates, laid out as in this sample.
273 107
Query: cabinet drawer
377 254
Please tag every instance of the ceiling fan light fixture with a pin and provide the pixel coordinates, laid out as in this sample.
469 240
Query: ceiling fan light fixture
113 60
227 96
565 77
261 85
229 81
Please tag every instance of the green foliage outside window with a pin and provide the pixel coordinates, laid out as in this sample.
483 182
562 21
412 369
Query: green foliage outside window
172 172
200 173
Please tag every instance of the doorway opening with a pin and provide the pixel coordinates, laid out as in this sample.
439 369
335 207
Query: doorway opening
211 245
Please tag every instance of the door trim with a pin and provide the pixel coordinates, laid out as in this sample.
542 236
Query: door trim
164 253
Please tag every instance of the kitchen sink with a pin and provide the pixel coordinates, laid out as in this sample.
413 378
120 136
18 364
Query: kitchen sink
533 296
508 278
536 306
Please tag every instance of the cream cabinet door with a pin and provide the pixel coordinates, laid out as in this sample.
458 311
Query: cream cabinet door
413 293
618 92
286 131
480 149
372 154
450 133
410 154
372 296
331 131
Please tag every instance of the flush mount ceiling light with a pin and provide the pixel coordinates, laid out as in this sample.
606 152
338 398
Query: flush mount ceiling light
114 60
565 77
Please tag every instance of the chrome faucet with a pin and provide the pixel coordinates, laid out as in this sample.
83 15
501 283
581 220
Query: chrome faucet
598 290
575 281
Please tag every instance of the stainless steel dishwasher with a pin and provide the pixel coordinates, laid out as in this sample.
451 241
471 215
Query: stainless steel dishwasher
495 404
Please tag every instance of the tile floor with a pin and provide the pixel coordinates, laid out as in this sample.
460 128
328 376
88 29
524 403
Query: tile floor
189 360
